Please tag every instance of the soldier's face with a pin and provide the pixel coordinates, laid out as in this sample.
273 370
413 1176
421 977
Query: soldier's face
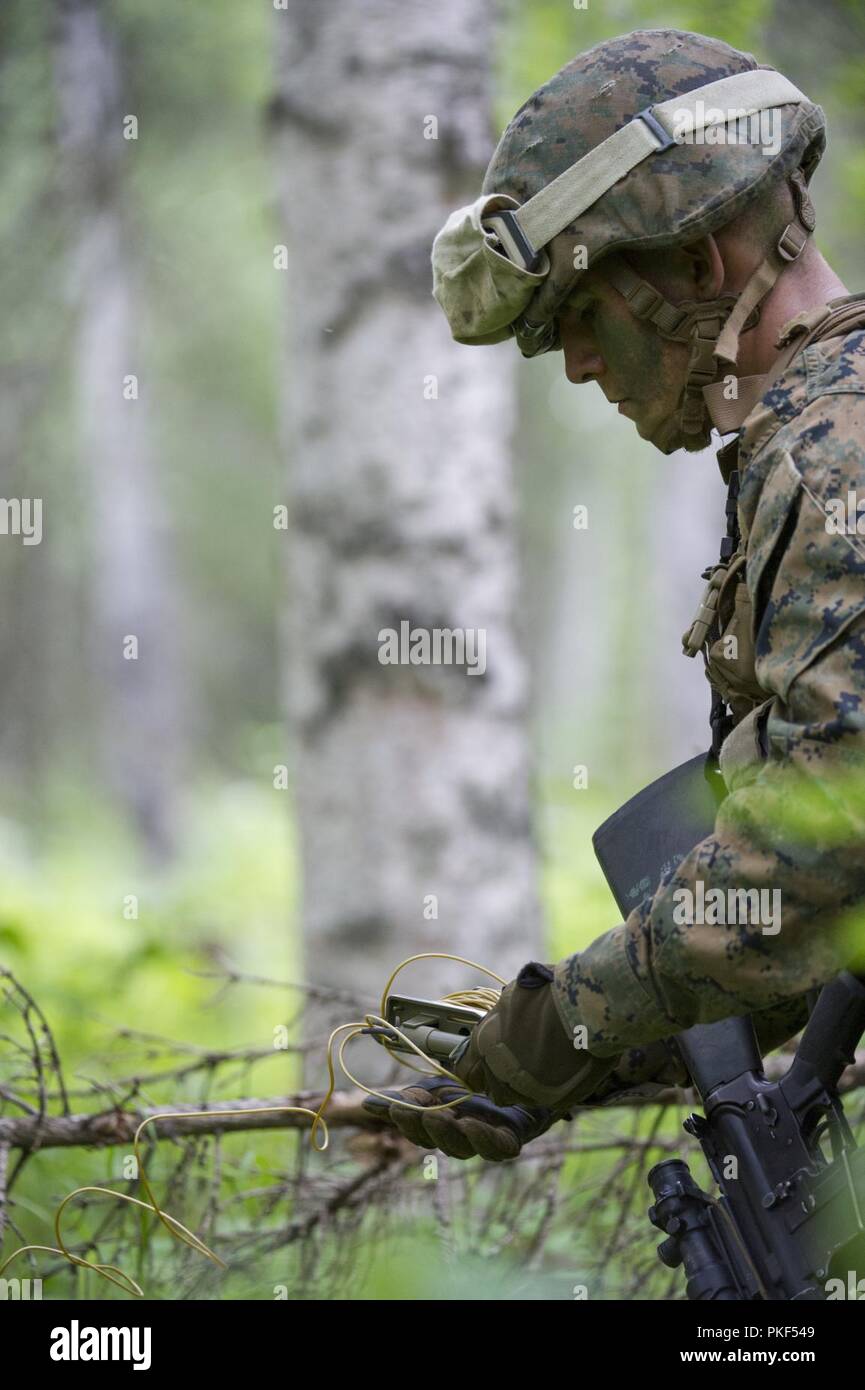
634 366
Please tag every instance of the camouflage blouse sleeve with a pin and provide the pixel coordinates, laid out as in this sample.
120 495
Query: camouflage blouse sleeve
793 824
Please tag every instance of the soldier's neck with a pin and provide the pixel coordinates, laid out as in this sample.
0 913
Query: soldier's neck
806 284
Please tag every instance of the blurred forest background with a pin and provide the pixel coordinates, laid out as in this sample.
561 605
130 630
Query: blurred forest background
251 794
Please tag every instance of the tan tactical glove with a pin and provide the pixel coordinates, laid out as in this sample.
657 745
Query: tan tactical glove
475 1126
521 1053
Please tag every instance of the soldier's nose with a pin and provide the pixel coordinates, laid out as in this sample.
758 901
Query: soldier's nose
582 363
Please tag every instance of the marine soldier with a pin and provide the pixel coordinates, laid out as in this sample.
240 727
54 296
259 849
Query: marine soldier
647 212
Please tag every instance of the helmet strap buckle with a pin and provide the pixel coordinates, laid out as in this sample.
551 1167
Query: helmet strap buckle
791 242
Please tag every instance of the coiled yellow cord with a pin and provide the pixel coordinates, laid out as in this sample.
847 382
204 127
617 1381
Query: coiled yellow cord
480 997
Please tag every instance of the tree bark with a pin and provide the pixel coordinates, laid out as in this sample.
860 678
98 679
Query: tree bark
411 781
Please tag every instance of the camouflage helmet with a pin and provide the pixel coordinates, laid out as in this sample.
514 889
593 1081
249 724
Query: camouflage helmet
675 189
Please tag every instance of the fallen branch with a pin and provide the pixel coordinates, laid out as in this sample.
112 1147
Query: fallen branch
117 1126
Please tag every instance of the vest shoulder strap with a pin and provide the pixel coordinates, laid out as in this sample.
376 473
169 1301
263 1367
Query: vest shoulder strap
831 320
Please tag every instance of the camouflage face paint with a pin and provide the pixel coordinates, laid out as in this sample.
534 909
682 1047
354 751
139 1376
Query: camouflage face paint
640 369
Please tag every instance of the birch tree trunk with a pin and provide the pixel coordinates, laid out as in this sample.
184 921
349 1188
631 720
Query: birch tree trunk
135 697
411 781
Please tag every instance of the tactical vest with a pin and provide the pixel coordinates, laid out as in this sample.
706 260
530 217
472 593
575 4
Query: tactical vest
723 628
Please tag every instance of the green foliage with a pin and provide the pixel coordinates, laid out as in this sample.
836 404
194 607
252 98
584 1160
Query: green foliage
97 973
67 932
201 224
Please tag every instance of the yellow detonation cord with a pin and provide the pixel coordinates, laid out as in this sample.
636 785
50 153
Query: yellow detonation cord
480 997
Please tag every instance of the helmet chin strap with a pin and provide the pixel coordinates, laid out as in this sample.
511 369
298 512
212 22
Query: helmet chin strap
698 323
713 328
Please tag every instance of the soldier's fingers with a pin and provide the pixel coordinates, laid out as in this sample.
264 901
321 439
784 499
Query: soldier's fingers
495 1143
378 1108
410 1123
446 1133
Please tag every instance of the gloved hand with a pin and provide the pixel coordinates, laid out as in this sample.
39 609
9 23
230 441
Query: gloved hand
476 1126
522 1054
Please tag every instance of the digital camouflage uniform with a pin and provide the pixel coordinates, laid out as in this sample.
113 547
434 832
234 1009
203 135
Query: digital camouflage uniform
794 819
792 594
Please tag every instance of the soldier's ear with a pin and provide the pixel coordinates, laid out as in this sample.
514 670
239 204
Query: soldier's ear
704 267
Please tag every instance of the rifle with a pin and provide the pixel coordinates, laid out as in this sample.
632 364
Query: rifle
789 1218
